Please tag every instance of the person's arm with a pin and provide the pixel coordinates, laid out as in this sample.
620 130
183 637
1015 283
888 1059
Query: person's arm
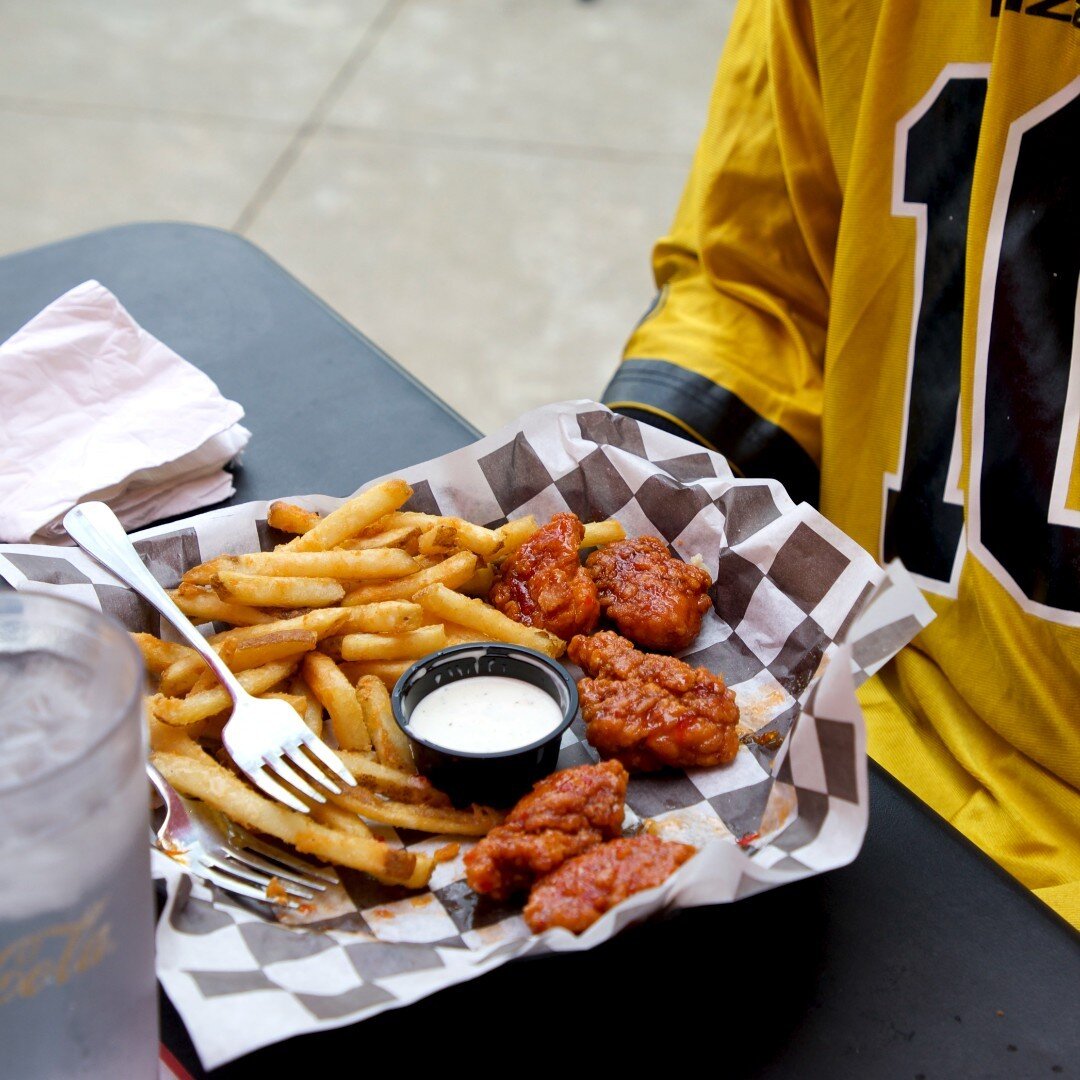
732 353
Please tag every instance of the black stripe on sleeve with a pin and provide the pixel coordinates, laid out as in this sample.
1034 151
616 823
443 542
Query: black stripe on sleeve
717 418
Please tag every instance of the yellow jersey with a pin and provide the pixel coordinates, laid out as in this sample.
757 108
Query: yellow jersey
870 292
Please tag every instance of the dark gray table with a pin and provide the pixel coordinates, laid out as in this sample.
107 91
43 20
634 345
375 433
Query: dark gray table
921 960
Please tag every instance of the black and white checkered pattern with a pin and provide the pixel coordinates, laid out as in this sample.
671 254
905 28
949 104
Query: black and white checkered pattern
789 588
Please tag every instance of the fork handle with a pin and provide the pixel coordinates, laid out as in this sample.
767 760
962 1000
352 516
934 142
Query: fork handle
97 530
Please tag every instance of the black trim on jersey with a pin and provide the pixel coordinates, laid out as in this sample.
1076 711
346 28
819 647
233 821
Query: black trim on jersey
720 419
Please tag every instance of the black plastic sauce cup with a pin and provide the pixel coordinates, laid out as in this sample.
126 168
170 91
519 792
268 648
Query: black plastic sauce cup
501 777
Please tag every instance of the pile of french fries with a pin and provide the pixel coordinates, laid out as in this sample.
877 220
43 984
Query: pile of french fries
328 622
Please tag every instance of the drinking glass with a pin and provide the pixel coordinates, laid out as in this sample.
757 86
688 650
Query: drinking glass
77 986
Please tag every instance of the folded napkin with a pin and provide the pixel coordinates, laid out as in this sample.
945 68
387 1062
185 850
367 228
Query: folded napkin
94 407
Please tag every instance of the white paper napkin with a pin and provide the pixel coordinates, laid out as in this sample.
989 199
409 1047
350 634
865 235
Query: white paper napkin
94 407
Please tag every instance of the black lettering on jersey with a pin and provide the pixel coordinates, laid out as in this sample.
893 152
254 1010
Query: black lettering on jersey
1028 363
921 527
1047 9
1042 9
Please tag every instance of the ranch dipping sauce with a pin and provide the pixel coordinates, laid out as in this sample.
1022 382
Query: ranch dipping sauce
485 714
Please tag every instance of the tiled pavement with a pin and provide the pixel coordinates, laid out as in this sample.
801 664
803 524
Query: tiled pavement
475 184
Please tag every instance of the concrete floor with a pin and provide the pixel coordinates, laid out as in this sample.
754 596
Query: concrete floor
475 184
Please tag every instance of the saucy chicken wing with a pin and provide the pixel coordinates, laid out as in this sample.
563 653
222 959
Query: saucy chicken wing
543 584
654 599
582 889
650 711
564 814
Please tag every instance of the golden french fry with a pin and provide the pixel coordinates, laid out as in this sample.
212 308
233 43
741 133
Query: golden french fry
376 563
288 517
393 783
440 539
207 680
323 621
471 537
602 532
181 675
335 691
203 778
410 645
387 617
297 701
389 671
514 533
456 634
336 818
351 517
159 655
392 746
260 591
480 583
381 538
274 645
477 821
452 572
201 603
183 711
204 573
476 615
313 709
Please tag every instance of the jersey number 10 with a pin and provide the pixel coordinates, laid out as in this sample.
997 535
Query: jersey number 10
1026 400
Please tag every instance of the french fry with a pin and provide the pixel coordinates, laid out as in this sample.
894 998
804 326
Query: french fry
201 603
387 617
602 532
456 634
410 645
313 709
297 701
470 537
389 671
377 563
441 539
514 533
158 655
454 571
392 746
476 615
204 573
381 538
290 518
323 621
203 778
181 712
393 783
260 591
181 675
336 818
276 645
349 518
476 821
480 583
338 695
207 680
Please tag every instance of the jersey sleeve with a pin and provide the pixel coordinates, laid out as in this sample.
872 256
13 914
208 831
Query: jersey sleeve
732 352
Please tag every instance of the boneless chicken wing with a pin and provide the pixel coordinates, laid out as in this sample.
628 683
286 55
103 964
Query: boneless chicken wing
650 711
583 888
564 814
654 599
543 584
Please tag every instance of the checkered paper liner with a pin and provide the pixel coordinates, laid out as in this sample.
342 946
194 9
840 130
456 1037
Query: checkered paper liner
801 614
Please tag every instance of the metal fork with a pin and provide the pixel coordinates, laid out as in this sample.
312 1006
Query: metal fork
217 849
261 733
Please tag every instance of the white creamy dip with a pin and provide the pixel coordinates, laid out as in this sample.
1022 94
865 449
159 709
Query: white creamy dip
485 714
